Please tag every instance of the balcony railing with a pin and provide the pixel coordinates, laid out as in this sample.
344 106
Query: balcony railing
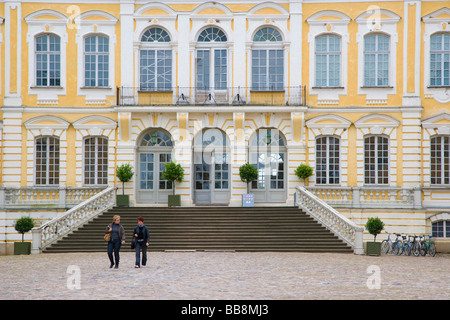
267 96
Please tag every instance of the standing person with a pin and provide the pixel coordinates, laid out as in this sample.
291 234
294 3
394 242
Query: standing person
117 239
142 238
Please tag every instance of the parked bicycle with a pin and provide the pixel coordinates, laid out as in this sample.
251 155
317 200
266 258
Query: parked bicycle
427 246
392 247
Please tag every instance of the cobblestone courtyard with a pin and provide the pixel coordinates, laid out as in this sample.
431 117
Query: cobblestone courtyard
224 276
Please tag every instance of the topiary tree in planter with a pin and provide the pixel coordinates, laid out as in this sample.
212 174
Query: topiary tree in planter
248 173
374 226
23 225
173 173
124 173
303 171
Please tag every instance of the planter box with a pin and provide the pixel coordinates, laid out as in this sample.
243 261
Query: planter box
123 200
174 200
373 248
22 247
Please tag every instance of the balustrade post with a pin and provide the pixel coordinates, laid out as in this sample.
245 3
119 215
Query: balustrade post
62 197
417 198
36 240
359 246
356 197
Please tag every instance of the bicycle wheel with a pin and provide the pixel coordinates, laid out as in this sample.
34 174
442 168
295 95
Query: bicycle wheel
432 251
407 249
384 247
397 248
423 249
416 249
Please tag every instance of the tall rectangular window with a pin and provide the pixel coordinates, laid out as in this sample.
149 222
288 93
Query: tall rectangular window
96 61
328 61
48 61
156 70
440 60
47 161
95 161
440 160
267 70
327 160
376 160
376 60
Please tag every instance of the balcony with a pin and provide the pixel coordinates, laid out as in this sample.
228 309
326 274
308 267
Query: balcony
196 96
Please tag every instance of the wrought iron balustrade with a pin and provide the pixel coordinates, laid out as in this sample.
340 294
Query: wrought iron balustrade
237 96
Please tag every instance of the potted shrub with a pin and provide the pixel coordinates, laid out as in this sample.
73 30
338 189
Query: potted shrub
374 226
248 173
173 173
22 226
303 171
124 173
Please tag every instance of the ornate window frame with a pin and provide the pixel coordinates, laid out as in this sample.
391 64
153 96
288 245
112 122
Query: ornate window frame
324 126
144 21
333 23
94 126
36 27
46 126
377 125
106 27
435 126
434 24
383 21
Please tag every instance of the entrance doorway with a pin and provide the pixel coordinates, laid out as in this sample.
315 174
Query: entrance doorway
211 168
154 151
267 152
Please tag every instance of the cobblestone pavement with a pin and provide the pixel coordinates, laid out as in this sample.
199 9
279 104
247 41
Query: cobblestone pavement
224 276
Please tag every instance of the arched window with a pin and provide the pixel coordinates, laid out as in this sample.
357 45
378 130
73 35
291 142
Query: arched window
440 59
376 60
327 160
155 61
328 61
212 60
376 160
96 61
440 160
47 161
95 161
267 60
156 138
48 61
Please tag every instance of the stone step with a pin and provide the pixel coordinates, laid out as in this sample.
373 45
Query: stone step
210 229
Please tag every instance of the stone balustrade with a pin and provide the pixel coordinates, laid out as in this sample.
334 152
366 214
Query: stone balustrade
55 229
345 229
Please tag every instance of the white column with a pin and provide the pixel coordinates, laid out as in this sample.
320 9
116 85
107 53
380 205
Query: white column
295 10
239 51
183 50
126 42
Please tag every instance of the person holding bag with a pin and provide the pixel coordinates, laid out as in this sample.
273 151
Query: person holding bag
117 238
142 239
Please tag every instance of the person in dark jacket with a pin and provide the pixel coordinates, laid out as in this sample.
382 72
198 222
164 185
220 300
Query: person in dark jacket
117 239
142 238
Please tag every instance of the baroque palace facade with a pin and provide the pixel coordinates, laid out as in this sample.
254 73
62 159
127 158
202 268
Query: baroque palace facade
358 90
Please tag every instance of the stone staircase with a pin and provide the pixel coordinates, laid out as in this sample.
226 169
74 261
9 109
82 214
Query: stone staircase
279 229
